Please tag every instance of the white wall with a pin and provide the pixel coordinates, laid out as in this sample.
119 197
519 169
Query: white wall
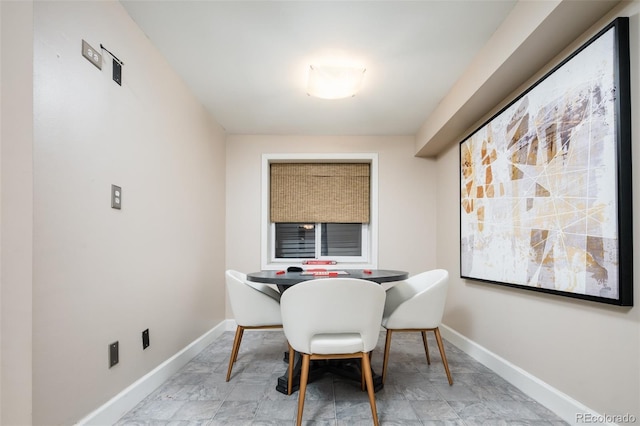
406 193
101 275
589 351
16 220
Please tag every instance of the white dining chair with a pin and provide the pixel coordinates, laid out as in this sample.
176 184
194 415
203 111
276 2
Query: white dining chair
416 305
254 306
332 318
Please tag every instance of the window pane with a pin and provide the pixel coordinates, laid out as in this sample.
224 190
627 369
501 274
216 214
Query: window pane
295 240
341 239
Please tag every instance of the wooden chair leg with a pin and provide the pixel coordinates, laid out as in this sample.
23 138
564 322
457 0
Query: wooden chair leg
304 376
387 345
426 346
242 329
442 355
234 351
292 355
366 367
362 375
362 379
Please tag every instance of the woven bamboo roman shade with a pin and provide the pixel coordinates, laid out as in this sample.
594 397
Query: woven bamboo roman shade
320 192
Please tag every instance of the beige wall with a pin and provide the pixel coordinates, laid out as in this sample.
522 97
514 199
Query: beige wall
406 192
16 214
102 275
589 351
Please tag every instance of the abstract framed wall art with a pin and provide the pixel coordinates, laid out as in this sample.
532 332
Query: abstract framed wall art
546 182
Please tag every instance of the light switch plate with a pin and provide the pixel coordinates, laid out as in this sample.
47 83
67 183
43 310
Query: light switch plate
116 197
117 72
91 54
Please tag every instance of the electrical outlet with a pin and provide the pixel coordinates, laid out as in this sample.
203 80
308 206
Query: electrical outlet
113 354
145 339
116 197
91 54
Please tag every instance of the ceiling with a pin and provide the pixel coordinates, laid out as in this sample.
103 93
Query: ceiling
247 61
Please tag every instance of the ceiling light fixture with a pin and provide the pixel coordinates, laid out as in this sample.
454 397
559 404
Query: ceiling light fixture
334 82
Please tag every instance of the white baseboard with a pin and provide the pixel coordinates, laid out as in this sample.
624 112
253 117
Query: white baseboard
563 405
119 405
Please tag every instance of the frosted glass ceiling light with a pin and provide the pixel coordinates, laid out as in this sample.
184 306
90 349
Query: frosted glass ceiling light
334 82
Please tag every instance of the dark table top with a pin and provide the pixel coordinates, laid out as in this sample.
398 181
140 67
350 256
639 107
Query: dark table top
291 278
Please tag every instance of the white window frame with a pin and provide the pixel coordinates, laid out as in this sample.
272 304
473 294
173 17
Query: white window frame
370 241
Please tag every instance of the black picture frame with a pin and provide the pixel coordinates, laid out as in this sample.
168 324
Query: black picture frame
545 183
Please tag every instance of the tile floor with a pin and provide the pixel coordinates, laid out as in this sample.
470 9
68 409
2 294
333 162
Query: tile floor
414 394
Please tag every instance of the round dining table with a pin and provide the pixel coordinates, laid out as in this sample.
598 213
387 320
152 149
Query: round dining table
283 279
347 368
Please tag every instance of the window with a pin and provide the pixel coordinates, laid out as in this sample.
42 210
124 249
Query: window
301 222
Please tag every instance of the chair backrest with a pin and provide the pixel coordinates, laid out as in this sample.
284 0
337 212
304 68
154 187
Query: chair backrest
332 306
417 302
253 304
